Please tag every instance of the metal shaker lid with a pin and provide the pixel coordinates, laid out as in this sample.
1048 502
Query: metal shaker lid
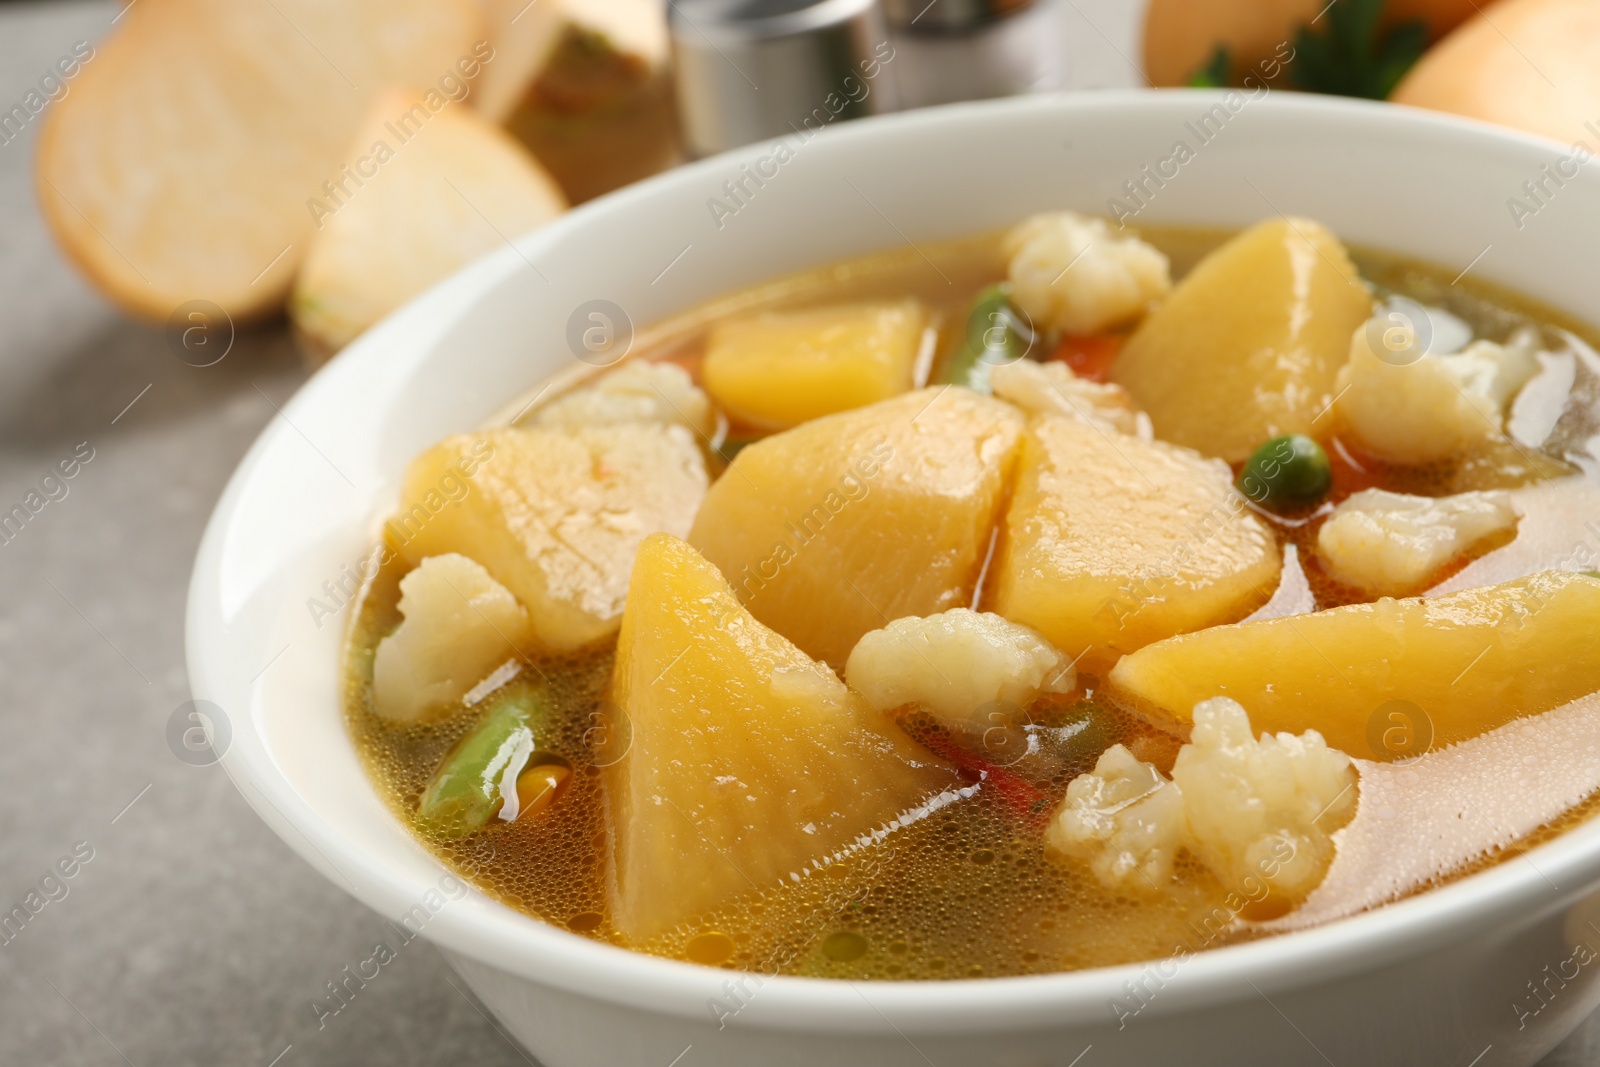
751 69
941 16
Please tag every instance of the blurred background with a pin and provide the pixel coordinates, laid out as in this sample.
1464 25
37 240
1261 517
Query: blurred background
180 248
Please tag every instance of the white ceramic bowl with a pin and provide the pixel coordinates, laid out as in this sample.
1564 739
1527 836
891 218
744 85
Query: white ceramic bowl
1437 979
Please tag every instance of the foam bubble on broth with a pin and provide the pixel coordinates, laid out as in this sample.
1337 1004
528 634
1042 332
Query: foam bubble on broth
1418 822
1559 530
965 893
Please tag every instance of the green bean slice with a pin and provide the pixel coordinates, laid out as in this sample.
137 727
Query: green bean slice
478 780
996 334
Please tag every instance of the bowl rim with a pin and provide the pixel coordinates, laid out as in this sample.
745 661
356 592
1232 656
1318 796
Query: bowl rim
511 941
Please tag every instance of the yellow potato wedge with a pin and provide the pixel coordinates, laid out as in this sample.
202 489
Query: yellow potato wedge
750 765
1112 542
555 516
845 523
1466 662
778 369
1248 344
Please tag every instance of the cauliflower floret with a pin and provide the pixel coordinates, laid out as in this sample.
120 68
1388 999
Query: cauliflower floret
1125 818
1261 811
1052 389
639 391
1388 544
1496 371
1451 333
961 665
1438 405
1258 813
1069 272
459 625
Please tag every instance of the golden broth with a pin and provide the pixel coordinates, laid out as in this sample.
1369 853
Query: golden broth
968 890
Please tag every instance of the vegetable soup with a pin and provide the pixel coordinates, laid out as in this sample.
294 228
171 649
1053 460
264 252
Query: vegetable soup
1043 600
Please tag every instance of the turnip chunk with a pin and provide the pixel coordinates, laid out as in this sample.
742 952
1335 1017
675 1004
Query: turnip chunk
1420 821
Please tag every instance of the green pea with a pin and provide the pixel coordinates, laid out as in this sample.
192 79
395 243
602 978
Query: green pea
474 780
1288 471
996 333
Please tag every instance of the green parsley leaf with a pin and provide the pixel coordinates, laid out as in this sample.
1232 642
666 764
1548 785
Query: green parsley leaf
1214 75
1349 56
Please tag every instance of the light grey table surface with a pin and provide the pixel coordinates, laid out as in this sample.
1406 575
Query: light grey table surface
193 935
